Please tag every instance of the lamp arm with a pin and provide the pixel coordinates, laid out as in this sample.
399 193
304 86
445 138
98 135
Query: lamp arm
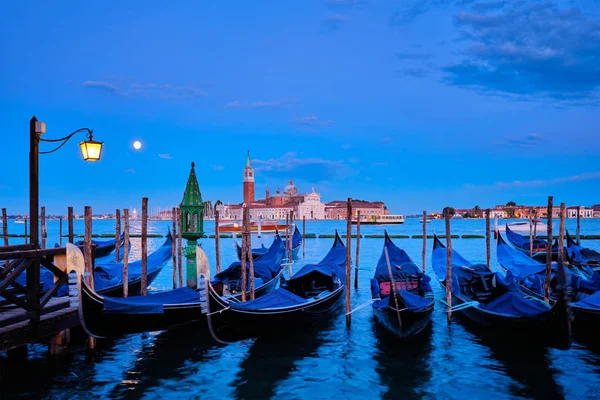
65 139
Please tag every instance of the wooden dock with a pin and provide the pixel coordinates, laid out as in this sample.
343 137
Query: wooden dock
28 315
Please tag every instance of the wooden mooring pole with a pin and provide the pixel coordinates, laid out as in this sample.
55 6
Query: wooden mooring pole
288 241
448 264
487 237
44 233
118 235
357 249
70 224
179 247
244 253
548 252
303 236
578 231
561 233
89 260
126 253
174 245
25 227
348 260
249 254
60 232
144 289
217 242
535 225
530 235
496 226
424 250
5 227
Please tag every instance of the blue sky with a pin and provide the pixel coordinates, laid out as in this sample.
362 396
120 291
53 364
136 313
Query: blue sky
420 104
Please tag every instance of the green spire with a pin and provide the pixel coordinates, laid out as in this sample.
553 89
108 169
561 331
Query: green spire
192 196
248 164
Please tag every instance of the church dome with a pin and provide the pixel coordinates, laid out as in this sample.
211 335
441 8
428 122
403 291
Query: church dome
290 189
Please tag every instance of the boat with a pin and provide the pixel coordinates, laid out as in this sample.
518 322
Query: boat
259 251
523 226
530 276
522 243
264 227
309 297
19 221
427 221
106 316
495 303
406 311
103 247
581 256
379 220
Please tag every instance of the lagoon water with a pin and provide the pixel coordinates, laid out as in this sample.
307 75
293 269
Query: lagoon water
447 362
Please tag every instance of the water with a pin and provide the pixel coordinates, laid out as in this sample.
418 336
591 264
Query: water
445 362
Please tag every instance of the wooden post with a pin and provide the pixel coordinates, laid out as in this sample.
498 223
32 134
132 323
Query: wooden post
5 227
357 249
44 233
144 290
561 233
244 252
118 235
348 260
448 263
487 237
217 242
126 253
70 224
174 245
393 282
578 231
179 247
424 250
548 253
249 255
496 226
530 235
290 244
87 247
303 236
60 232
25 227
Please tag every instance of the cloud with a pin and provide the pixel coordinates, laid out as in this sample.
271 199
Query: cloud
103 86
529 50
586 176
292 165
260 104
217 167
130 171
334 22
165 91
415 72
412 10
488 6
165 156
312 121
413 56
531 140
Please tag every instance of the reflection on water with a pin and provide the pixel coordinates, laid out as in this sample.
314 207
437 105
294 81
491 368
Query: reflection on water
364 362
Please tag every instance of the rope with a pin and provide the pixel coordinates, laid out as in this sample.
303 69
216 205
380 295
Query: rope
457 307
361 306
218 312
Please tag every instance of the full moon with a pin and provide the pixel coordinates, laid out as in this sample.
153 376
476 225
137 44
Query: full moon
137 145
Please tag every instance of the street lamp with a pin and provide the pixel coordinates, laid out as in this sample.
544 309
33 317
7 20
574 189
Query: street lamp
90 150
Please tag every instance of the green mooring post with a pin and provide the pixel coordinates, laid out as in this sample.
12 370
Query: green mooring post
192 225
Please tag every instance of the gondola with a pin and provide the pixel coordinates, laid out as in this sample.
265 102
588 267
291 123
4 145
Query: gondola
540 246
412 312
581 256
103 247
529 274
310 296
496 303
259 251
106 316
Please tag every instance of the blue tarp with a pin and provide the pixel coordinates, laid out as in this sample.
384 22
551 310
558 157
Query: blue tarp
408 300
516 304
332 265
151 304
265 267
157 259
519 264
277 298
401 264
592 302
462 269
101 243
522 242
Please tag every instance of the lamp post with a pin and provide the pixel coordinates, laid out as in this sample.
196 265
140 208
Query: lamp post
90 150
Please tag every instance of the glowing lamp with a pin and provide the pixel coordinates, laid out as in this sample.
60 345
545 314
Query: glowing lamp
91 149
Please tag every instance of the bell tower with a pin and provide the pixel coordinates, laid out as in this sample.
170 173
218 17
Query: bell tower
248 181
